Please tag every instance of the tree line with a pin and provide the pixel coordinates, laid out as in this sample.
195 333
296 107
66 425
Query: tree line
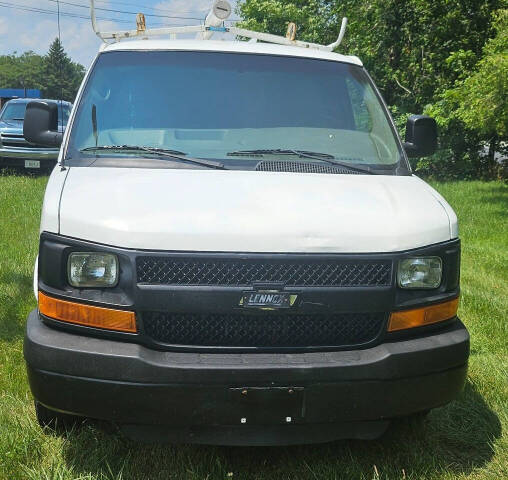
446 58
55 74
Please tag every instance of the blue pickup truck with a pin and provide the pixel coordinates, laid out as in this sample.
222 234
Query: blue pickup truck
15 150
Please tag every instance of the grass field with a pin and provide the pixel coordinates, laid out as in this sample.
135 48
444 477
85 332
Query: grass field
466 439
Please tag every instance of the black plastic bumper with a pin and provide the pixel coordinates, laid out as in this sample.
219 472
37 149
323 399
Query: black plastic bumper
244 398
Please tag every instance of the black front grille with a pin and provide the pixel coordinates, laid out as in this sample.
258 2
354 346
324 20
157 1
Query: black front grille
297 272
304 167
271 330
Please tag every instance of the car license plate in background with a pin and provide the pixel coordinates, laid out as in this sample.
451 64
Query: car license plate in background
32 164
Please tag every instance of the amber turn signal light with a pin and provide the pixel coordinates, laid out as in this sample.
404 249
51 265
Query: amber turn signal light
423 316
87 315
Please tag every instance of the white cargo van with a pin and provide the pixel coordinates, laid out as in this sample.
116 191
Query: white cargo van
234 250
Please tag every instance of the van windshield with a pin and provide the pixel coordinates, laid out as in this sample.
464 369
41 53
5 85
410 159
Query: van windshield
231 107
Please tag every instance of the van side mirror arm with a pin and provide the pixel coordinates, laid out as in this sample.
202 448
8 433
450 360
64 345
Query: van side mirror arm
411 149
41 124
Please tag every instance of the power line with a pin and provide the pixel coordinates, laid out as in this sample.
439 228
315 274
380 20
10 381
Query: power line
165 10
127 12
26 8
137 5
176 17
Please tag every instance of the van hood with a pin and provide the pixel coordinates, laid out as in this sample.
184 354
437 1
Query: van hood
246 211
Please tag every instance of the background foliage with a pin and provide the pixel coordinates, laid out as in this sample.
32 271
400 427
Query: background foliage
448 58
55 74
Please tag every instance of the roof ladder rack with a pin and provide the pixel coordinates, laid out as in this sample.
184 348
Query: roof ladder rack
219 13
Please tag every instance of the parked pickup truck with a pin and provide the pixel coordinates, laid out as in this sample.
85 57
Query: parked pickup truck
15 150
234 249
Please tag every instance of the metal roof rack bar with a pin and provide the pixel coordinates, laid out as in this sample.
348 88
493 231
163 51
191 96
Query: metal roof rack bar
213 23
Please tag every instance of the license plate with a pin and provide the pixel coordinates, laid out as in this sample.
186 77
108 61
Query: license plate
266 406
32 164
268 300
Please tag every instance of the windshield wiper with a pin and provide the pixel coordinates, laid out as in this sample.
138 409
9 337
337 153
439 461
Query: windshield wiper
278 151
325 157
131 147
164 152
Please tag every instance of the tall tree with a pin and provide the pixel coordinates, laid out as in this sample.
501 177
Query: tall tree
63 76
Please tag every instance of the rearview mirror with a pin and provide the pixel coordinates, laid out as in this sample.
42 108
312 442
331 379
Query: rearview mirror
421 136
41 124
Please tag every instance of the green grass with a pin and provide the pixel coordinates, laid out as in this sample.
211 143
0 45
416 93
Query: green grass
466 439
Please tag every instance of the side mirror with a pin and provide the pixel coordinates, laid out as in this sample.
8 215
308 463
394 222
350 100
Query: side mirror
421 136
41 124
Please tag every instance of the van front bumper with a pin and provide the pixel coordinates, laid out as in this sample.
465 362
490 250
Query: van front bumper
244 399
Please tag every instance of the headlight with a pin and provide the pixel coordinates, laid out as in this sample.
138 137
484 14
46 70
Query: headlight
423 272
92 269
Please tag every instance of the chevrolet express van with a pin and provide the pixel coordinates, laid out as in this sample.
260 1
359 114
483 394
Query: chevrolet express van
233 250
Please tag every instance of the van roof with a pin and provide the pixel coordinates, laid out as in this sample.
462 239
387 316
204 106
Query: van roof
229 47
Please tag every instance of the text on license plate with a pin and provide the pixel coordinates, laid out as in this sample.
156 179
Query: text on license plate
32 164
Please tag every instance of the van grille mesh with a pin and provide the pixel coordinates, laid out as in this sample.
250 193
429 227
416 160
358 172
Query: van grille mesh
239 272
271 330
